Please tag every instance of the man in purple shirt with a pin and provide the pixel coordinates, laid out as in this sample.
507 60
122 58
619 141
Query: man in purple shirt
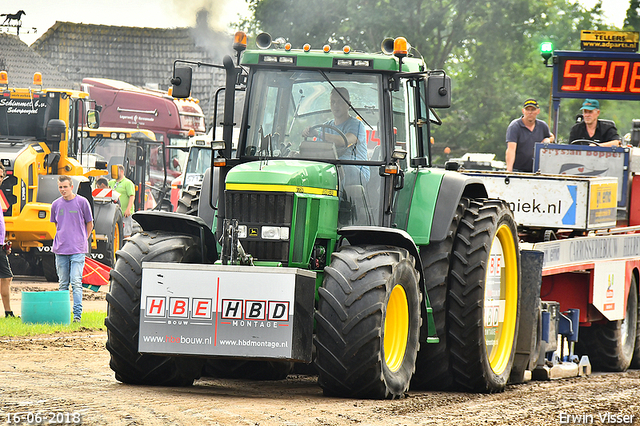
5 269
74 223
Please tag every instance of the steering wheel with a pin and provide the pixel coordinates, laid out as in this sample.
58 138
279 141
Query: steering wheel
324 127
584 142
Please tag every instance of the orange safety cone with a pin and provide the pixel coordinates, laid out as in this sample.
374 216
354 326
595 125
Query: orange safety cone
94 274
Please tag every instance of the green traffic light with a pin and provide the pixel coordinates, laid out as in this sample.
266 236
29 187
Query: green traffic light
546 50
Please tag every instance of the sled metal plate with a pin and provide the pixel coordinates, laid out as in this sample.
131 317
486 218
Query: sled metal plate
229 311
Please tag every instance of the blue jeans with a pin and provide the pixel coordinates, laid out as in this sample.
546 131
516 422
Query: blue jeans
69 268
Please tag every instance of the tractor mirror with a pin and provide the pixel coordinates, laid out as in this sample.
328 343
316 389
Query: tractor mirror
93 119
181 82
439 91
56 130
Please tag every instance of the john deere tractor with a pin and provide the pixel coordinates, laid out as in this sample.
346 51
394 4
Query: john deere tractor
326 238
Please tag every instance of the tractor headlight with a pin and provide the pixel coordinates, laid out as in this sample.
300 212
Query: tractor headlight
275 232
242 231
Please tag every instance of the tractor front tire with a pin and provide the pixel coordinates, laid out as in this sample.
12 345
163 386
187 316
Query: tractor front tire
368 323
484 297
123 311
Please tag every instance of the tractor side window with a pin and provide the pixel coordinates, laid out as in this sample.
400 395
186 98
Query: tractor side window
400 122
422 115
410 119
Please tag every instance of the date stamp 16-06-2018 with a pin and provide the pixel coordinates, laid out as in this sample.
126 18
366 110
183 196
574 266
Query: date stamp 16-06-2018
43 418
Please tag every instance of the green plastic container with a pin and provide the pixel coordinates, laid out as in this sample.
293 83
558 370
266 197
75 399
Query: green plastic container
46 307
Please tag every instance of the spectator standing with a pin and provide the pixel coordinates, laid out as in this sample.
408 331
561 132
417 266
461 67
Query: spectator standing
74 222
5 269
522 135
102 183
127 191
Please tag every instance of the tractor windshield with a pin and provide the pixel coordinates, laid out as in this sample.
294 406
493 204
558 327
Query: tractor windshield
100 148
314 115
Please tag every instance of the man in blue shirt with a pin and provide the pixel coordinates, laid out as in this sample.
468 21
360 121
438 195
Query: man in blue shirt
522 135
355 146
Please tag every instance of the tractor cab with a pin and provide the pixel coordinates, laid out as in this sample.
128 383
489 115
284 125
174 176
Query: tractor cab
337 115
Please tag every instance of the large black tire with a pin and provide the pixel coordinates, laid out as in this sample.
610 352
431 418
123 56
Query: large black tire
123 311
250 370
611 346
433 369
484 297
368 323
108 221
49 268
189 201
635 361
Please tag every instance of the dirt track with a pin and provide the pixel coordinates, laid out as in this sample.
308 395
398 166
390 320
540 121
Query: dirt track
70 374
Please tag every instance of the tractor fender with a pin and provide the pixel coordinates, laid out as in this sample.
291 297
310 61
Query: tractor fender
453 187
103 217
150 220
357 235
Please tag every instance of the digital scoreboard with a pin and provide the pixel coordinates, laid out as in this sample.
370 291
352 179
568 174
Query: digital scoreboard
596 74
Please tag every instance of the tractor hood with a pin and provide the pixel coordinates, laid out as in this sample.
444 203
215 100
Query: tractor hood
284 176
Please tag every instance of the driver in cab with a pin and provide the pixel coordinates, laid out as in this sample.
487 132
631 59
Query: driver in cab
603 132
351 146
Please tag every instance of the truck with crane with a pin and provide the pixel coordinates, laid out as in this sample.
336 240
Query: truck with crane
40 132
385 272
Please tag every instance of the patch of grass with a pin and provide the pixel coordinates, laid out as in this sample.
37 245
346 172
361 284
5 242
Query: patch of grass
12 327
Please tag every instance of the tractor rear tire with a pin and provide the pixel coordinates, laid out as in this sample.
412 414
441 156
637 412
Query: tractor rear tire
368 323
433 370
611 346
189 201
484 297
123 311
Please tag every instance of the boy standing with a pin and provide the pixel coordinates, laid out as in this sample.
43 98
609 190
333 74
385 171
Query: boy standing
74 223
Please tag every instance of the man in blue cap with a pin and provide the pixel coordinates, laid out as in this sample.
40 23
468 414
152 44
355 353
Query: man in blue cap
522 135
603 132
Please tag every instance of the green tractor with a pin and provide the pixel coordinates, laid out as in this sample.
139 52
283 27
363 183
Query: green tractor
327 238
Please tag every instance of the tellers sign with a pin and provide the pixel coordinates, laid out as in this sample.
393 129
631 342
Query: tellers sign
597 75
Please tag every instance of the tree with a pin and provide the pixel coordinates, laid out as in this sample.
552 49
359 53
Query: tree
632 21
489 48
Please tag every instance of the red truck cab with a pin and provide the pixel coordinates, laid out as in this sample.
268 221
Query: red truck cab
129 106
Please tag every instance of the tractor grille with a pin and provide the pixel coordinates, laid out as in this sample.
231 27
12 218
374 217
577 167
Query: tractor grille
256 209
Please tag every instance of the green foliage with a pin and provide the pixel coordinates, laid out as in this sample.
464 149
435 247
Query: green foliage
632 21
13 327
490 49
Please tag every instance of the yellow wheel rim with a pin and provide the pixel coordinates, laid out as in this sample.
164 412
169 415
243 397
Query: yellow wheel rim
116 244
396 328
501 299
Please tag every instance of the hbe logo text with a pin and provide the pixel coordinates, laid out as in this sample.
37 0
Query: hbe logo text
235 309
179 307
